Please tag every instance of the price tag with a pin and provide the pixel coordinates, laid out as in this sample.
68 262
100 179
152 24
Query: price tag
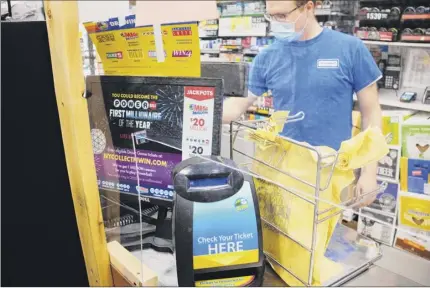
376 16
258 20
212 22
211 32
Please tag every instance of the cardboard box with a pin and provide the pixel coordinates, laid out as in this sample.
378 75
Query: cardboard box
381 232
389 165
414 211
415 175
413 244
392 123
386 199
416 137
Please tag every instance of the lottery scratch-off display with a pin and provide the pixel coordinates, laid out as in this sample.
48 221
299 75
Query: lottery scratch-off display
130 50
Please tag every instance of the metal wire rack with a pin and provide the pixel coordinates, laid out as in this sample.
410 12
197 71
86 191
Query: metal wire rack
326 162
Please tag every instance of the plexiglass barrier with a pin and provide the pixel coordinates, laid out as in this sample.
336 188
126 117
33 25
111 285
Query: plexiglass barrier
144 127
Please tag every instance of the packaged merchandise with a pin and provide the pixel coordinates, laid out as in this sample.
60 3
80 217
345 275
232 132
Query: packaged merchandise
347 216
231 57
415 175
389 165
416 137
391 124
413 244
386 199
208 28
232 8
414 211
377 231
260 117
210 44
254 7
293 215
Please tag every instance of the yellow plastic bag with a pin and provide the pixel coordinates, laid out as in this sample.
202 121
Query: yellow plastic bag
293 215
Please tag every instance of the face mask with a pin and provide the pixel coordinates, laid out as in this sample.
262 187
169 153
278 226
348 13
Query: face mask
286 31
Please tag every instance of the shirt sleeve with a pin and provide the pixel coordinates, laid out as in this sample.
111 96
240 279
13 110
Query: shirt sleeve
365 71
257 80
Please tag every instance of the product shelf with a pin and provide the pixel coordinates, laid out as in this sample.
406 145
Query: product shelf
329 12
390 98
209 51
416 38
416 17
400 44
250 52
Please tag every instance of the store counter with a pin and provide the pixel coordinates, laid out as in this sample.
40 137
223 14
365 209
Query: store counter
396 268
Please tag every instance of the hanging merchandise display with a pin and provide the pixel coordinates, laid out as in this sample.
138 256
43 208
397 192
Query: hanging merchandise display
319 169
389 165
383 233
416 137
392 123
414 211
415 175
412 244
129 50
414 216
386 199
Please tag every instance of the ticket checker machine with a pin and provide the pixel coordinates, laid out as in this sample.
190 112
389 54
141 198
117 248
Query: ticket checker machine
216 225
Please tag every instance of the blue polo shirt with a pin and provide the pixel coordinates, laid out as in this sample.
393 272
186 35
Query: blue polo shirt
319 77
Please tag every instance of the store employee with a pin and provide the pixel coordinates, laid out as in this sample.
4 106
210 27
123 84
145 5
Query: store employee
316 71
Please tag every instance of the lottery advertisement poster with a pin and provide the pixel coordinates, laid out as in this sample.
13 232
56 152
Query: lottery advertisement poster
181 115
128 50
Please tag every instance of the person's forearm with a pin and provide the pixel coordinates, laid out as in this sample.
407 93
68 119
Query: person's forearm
234 107
372 118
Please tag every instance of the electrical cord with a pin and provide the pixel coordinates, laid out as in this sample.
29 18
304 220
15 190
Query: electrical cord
9 11
9 7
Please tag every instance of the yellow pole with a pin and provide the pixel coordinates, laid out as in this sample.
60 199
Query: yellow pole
63 32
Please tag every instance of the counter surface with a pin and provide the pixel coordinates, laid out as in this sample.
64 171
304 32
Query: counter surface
396 268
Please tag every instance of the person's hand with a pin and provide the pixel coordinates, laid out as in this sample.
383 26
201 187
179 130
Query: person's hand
366 184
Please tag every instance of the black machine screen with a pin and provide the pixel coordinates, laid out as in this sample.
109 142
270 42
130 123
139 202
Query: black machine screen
208 182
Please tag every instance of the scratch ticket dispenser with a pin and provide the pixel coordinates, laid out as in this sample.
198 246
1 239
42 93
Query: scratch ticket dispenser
216 225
